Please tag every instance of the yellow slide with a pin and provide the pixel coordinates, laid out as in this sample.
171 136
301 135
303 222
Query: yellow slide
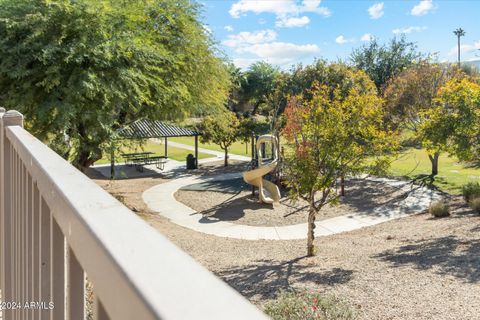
255 176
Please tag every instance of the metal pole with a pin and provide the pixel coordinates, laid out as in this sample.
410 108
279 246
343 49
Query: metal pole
196 151
112 162
166 147
253 160
458 41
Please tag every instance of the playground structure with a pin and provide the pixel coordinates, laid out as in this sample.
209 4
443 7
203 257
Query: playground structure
265 166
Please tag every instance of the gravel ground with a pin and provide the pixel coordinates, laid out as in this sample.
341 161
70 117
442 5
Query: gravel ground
412 268
242 208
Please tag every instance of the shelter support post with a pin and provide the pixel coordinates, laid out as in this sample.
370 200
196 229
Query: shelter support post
253 159
196 151
112 163
166 147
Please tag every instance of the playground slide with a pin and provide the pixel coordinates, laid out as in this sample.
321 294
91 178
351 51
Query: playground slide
255 176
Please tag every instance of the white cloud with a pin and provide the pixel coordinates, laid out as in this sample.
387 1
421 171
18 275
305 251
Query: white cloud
247 38
422 8
314 7
342 40
245 62
376 10
280 52
465 48
228 28
284 10
406 30
366 37
292 22
278 7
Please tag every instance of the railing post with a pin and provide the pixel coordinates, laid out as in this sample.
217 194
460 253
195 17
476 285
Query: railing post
2 278
45 257
76 288
9 118
58 272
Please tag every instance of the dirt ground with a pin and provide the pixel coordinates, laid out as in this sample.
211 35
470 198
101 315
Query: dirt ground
412 268
242 208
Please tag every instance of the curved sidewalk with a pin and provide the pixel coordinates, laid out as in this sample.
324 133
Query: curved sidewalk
161 199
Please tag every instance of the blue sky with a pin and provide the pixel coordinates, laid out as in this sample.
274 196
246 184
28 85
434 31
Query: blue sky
285 32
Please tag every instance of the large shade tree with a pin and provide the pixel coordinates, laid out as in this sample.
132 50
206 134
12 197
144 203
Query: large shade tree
79 70
261 81
333 130
301 78
238 80
382 62
412 93
454 121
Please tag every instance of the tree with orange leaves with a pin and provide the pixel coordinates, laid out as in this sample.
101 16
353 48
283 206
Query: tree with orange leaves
332 133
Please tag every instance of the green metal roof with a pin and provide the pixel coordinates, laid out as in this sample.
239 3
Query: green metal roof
145 128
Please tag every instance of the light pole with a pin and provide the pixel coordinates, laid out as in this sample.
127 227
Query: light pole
459 33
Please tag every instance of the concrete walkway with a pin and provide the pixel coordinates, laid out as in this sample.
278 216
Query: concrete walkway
161 199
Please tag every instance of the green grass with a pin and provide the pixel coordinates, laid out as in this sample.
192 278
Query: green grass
236 148
414 163
174 153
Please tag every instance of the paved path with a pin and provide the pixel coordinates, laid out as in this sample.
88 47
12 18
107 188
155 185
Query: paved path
161 199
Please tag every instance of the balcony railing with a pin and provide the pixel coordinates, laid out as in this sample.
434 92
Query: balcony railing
58 227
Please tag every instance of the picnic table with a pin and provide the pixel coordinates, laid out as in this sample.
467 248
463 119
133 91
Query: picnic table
131 157
139 159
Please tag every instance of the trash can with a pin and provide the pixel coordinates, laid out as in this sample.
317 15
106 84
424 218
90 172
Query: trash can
191 162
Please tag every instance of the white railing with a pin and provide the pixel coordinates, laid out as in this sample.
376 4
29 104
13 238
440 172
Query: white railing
58 227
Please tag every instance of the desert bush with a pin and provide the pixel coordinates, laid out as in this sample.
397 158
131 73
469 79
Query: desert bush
471 190
291 305
439 209
475 204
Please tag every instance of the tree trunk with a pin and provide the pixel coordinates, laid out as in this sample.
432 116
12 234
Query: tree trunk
226 157
434 160
246 147
85 156
311 232
255 107
83 160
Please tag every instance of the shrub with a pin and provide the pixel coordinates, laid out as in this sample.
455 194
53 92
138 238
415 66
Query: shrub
302 305
439 209
475 204
471 190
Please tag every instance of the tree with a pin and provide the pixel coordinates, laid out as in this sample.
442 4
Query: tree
383 62
222 130
412 93
455 119
260 83
332 134
459 33
79 70
238 80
